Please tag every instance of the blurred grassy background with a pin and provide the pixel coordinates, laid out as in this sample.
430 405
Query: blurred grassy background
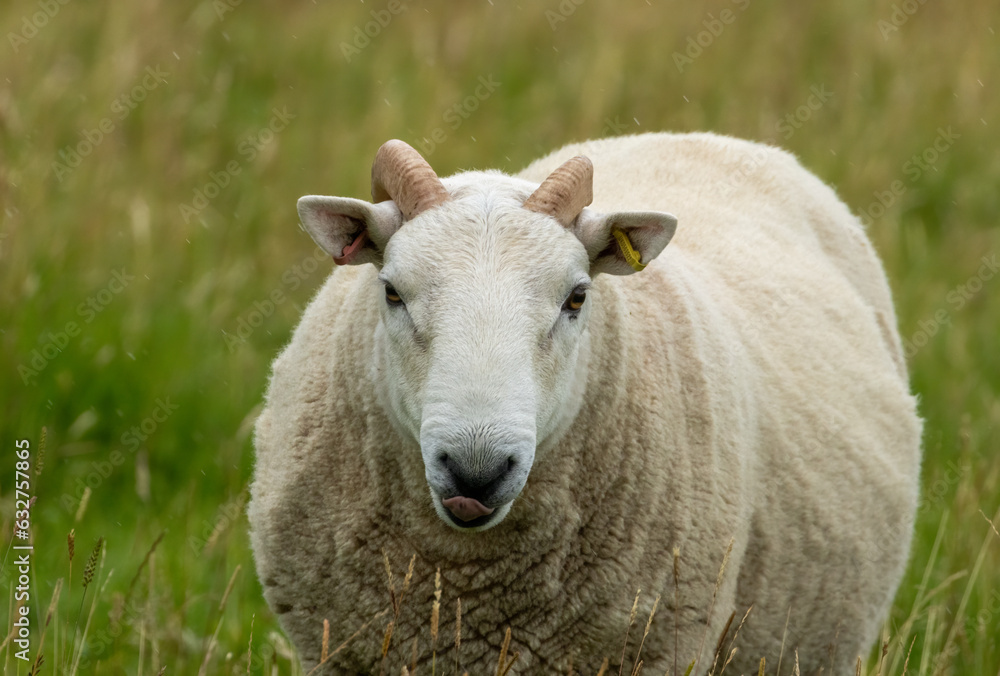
255 104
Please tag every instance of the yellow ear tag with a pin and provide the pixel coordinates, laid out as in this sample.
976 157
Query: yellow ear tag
631 255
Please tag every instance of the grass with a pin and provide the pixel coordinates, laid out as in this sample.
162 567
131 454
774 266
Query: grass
157 278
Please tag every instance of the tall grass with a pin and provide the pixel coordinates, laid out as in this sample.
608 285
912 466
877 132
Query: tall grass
158 277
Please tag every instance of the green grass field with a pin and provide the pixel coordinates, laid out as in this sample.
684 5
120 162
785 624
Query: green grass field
150 157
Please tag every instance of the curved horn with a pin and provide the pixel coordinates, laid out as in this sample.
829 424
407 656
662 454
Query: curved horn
566 191
399 173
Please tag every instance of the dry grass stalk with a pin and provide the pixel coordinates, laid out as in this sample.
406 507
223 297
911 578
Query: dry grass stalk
649 622
82 508
604 668
959 616
732 654
796 672
343 645
923 597
677 601
405 671
215 635
435 617
413 657
145 561
409 573
735 636
48 618
391 581
784 636
503 666
881 659
857 671
397 603
250 642
510 664
142 642
229 587
387 638
760 669
93 606
458 631
503 652
631 621
13 630
721 641
325 652
907 662
715 595
687 672
990 522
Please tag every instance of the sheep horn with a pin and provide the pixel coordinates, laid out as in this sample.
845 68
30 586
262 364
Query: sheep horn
399 173
566 191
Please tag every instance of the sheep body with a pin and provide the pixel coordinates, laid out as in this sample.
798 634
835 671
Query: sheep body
747 389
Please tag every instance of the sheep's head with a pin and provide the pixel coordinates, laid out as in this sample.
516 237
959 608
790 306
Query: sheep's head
481 350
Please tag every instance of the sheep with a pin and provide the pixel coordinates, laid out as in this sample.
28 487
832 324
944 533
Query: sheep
490 381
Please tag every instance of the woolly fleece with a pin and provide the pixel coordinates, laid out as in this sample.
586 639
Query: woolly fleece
748 386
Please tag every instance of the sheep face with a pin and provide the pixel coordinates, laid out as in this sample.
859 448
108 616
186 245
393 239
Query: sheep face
481 346
484 294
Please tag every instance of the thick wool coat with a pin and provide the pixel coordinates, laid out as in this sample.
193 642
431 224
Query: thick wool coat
747 389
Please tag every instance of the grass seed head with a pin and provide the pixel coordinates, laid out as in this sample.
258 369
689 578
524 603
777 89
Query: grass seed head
40 456
88 571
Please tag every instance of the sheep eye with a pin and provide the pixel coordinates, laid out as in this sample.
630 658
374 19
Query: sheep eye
391 297
575 300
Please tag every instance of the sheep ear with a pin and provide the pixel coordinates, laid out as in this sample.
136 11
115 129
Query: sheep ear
352 231
623 242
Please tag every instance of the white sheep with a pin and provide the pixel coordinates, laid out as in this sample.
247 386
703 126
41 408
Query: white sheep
499 395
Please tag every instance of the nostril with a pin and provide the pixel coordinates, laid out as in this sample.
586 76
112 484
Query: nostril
443 458
510 463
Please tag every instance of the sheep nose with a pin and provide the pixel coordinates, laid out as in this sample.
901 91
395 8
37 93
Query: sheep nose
477 479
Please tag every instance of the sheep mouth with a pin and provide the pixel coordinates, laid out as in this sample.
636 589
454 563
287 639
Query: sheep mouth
465 508
467 512
478 522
